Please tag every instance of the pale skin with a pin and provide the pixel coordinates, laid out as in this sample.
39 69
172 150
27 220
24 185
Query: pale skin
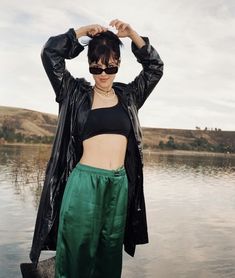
106 151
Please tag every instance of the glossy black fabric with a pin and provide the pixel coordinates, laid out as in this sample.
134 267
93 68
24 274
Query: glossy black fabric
75 96
111 120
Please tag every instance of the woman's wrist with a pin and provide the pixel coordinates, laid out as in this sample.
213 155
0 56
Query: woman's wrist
132 34
136 38
80 32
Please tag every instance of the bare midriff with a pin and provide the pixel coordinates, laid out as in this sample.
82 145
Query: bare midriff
105 151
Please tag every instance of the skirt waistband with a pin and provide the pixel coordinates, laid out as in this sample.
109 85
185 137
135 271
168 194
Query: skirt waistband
121 171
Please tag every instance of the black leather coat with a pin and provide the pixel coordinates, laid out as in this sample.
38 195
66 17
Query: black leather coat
74 96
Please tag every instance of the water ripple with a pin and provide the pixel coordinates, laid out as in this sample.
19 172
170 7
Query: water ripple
190 209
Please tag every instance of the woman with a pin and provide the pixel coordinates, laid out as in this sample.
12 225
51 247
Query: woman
93 192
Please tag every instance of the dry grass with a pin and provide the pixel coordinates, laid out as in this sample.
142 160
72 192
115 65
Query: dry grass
29 122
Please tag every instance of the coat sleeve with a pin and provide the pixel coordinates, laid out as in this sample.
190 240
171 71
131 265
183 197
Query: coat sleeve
53 55
150 75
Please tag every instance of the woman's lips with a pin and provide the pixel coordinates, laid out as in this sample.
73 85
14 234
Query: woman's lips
103 79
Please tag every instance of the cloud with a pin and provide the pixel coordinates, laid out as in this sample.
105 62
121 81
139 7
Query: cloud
194 38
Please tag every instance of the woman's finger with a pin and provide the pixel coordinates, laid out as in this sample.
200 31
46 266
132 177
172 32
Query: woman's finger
123 26
104 29
118 24
112 23
96 29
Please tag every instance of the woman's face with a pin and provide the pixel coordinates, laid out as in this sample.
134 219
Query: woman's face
104 81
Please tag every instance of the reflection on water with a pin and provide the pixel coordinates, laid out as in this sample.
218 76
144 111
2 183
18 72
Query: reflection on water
24 167
21 177
190 204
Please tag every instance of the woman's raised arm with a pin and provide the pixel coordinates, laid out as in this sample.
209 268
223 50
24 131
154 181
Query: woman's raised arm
149 58
53 55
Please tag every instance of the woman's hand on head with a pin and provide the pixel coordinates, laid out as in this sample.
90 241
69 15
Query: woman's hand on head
95 29
90 30
124 29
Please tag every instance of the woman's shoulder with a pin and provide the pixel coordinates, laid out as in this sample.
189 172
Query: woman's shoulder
78 88
119 85
123 90
82 82
82 85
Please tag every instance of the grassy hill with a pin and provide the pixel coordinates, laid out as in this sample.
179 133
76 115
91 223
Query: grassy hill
23 125
186 139
28 122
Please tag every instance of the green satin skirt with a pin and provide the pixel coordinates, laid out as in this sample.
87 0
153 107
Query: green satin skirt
92 223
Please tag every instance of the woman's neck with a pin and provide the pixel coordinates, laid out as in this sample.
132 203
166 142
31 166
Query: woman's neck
104 90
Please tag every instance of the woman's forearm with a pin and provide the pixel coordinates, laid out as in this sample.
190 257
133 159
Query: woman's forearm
137 40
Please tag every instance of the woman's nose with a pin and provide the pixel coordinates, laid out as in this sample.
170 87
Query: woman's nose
103 73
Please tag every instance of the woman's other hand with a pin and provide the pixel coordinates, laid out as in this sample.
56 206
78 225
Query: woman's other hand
124 29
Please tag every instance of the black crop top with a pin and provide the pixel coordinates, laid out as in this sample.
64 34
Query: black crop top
112 120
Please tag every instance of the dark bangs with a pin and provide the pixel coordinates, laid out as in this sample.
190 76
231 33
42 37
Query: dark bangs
103 47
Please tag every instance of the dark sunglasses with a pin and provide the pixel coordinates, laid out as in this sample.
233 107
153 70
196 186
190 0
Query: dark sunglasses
110 70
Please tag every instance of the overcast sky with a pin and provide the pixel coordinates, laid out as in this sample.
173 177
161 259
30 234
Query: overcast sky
195 39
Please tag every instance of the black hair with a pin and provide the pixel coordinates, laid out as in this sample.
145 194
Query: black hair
104 46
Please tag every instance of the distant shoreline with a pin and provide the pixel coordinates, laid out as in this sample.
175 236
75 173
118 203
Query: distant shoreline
188 152
25 144
145 151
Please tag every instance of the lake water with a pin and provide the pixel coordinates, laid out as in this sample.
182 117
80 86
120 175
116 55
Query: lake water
190 204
